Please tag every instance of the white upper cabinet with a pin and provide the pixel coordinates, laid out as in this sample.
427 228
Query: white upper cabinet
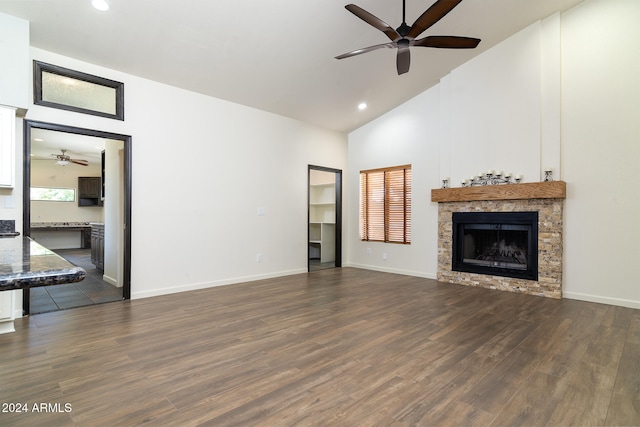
15 72
7 146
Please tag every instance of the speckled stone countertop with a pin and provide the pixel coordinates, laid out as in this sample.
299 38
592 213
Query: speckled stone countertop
59 225
8 228
27 264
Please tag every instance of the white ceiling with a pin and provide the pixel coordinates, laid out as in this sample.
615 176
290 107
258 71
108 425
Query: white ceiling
45 144
276 55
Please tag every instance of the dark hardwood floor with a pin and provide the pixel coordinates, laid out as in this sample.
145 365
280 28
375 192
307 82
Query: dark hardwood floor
337 347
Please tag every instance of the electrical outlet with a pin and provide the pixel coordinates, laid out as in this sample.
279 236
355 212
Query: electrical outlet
384 256
259 258
368 251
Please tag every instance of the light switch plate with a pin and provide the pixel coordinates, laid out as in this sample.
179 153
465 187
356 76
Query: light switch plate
9 202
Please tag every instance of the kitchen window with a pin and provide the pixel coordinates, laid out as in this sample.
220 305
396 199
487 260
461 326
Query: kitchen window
385 205
50 194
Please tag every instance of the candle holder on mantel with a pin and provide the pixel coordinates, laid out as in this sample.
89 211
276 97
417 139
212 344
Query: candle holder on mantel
548 175
491 178
445 182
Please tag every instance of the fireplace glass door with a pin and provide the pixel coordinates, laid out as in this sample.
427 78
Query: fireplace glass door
497 245
502 243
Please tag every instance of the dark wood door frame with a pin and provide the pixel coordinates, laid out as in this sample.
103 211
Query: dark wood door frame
338 236
26 196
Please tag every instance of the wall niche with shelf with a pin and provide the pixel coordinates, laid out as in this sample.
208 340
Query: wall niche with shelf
322 221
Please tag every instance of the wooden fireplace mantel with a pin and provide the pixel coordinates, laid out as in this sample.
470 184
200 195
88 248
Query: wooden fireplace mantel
529 190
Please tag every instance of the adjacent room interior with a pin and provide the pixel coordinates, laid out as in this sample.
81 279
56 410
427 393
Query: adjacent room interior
262 231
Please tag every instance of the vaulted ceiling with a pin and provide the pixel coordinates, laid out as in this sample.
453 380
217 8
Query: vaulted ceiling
276 55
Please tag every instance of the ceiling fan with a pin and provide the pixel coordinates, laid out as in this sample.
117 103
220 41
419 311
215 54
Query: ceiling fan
405 36
63 159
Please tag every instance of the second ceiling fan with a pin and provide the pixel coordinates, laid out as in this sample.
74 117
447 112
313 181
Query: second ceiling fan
63 159
404 36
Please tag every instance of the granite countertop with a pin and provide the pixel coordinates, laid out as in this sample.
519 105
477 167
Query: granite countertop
8 228
25 263
60 225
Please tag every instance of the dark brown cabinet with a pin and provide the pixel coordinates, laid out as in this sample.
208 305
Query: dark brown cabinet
89 191
97 245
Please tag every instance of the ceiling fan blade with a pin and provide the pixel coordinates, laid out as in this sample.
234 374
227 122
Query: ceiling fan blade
79 162
374 21
447 42
403 59
432 15
365 50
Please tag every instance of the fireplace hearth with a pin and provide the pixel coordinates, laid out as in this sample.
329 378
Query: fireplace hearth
496 243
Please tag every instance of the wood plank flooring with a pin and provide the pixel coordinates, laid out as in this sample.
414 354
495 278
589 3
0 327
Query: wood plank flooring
340 347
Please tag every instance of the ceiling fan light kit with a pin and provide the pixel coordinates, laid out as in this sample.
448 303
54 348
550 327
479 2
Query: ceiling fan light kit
403 37
64 160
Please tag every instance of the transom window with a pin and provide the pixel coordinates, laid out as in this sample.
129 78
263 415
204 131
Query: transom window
385 204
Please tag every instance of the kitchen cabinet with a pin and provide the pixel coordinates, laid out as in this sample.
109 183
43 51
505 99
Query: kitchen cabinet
97 245
7 146
89 191
15 72
6 311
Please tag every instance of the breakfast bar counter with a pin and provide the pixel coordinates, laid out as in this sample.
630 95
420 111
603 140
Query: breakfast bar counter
25 263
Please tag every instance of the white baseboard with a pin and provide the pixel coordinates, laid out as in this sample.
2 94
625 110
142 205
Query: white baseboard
393 270
111 281
205 285
7 327
601 299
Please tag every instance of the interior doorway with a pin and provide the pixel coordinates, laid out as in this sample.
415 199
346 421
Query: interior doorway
324 220
112 207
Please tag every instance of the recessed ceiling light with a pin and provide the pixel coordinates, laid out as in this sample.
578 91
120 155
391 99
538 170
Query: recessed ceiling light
101 5
362 106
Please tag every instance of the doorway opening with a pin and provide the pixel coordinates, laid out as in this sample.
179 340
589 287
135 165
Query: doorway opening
324 219
80 231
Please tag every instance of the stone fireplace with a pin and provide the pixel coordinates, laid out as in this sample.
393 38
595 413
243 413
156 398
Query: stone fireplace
496 255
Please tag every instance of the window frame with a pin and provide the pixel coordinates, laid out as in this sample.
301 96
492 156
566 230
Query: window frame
380 219
40 67
75 194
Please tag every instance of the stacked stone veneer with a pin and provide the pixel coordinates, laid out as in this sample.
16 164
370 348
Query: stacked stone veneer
550 211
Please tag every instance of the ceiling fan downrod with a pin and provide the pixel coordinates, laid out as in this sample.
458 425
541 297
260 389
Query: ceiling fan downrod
403 29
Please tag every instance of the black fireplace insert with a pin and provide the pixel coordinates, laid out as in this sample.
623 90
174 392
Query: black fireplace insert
496 243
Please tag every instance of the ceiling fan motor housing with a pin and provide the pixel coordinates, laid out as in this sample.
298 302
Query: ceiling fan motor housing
403 29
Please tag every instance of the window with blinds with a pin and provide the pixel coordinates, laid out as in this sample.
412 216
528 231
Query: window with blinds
385 205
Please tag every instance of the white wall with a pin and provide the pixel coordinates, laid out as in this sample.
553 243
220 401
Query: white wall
201 169
492 111
562 93
114 213
409 134
601 151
